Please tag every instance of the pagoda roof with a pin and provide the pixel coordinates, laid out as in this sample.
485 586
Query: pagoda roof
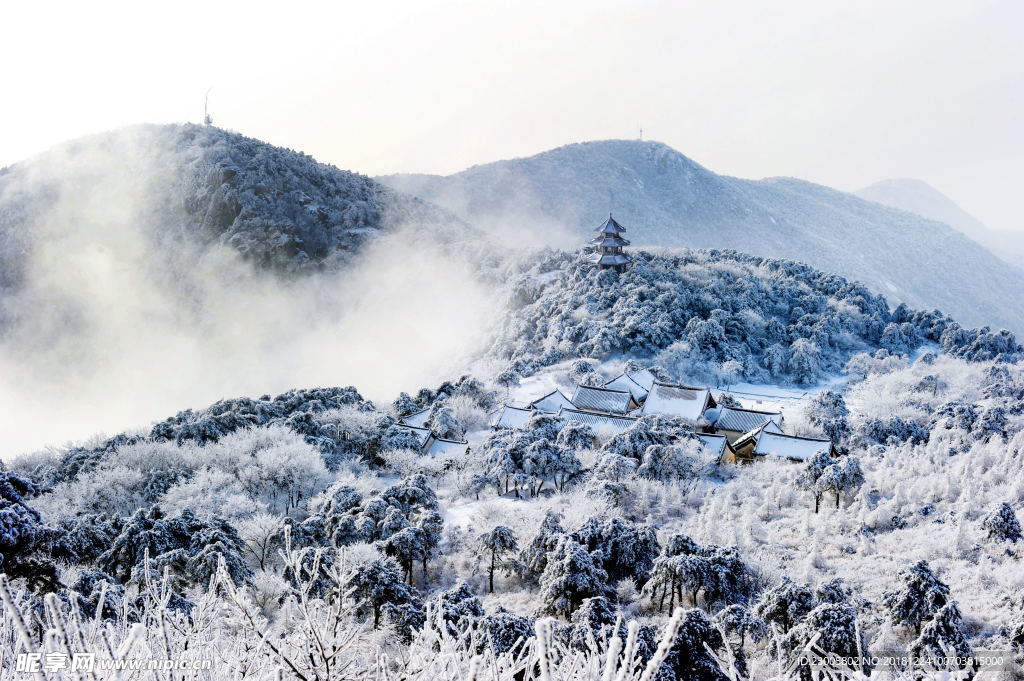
610 259
609 240
610 227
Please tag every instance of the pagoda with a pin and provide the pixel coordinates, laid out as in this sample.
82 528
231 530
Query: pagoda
608 245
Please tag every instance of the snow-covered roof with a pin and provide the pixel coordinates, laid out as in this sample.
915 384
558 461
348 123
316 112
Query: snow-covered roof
610 259
714 443
790 446
598 421
627 383
511 417
439 446
601 399
422 433
610 227
552 402
745 420
766 427
678 400
607 240
417 420
644 377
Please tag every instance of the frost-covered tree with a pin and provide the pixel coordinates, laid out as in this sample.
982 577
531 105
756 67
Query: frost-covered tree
507 379
534 556
444 424
785 604
378 590
575 436
459 604
804 361
833 627
622 548
812 472
569 577
24 539
943 638
497 543
828 412
1001 524
840 478
919 595
691 654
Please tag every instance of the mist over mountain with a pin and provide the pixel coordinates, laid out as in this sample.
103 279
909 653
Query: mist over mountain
917 196
155 266
666 199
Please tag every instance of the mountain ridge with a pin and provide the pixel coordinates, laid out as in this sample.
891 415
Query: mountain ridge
919 197
667 199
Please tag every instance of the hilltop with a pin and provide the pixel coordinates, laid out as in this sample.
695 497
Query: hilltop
669 200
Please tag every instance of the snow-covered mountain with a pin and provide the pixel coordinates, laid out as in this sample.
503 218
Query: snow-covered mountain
917 196
174 184
666 199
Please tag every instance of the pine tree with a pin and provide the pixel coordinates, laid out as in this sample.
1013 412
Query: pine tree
570 576
942 638
785 604
1001 524
498 542
377 589
920 595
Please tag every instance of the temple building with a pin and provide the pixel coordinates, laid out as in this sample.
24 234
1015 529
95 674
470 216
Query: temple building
608 246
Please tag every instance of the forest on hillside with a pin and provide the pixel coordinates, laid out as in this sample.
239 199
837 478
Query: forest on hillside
308 529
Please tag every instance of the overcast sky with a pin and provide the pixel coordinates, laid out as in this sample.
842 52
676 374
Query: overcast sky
843 93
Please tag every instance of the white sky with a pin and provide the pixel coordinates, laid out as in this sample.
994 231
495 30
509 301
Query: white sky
839 92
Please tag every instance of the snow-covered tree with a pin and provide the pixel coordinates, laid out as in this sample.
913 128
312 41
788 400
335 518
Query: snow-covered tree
569 577
785 604
623 549
919 595
378 590
497 543
943 638
1001 524
828 412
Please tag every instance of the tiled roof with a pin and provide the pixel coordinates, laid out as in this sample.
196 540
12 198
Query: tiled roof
790 446
598 421
677 400
422 433
552 402
745 420
601 399
714 443
417 420
511 417
439 446
629 384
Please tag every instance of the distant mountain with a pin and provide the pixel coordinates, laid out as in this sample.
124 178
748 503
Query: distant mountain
175 185
916 196
666 199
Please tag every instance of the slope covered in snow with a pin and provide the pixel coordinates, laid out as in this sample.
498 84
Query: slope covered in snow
666 199
916 196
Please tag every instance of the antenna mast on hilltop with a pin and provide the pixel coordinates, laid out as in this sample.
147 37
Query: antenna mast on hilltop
206 108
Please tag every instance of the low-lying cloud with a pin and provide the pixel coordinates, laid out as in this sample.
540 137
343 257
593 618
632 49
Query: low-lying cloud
116 324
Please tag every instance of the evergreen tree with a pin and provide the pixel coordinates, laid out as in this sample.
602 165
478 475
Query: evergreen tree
919 596
622 548
377 589
943 638
498 542
25 541
828 412
569 577
785 604
1001 524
